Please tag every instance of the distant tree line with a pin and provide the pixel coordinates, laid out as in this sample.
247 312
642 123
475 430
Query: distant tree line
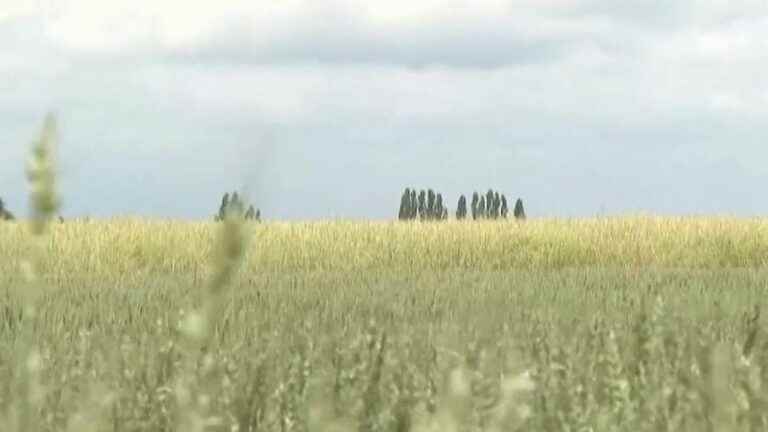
424 205
491 205
234 204
5 214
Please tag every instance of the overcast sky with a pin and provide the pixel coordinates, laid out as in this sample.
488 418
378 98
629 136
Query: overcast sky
325 109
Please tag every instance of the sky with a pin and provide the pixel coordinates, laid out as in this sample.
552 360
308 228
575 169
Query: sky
320 109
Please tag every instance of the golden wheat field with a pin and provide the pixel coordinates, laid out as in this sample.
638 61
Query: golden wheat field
631 324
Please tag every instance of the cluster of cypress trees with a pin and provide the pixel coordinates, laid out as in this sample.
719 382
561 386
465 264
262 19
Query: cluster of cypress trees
5 214
492 205
426 205
233 203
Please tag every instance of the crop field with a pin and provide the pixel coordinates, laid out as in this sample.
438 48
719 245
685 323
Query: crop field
606 324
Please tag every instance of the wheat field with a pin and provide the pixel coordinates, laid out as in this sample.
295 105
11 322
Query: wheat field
635 323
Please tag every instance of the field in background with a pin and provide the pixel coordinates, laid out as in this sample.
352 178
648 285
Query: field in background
627 324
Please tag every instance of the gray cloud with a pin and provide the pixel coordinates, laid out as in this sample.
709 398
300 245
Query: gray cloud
579 110
466 46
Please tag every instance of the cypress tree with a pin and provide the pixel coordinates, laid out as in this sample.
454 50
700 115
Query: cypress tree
251 213
405 203
481 208
439 206
5 214
496 205
475 203
223 207
236 205
504 208
414 205
422 205
444 216
258 215
461 209
519 210
431 204
488 203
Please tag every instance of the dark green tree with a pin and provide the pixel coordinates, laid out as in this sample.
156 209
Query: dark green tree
431 209
488 203
504 209
481 208
236 205
405 205
414 205
250 214
461 208
422 205
223 207
519 210
439 207
496 205
475 204
5 214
